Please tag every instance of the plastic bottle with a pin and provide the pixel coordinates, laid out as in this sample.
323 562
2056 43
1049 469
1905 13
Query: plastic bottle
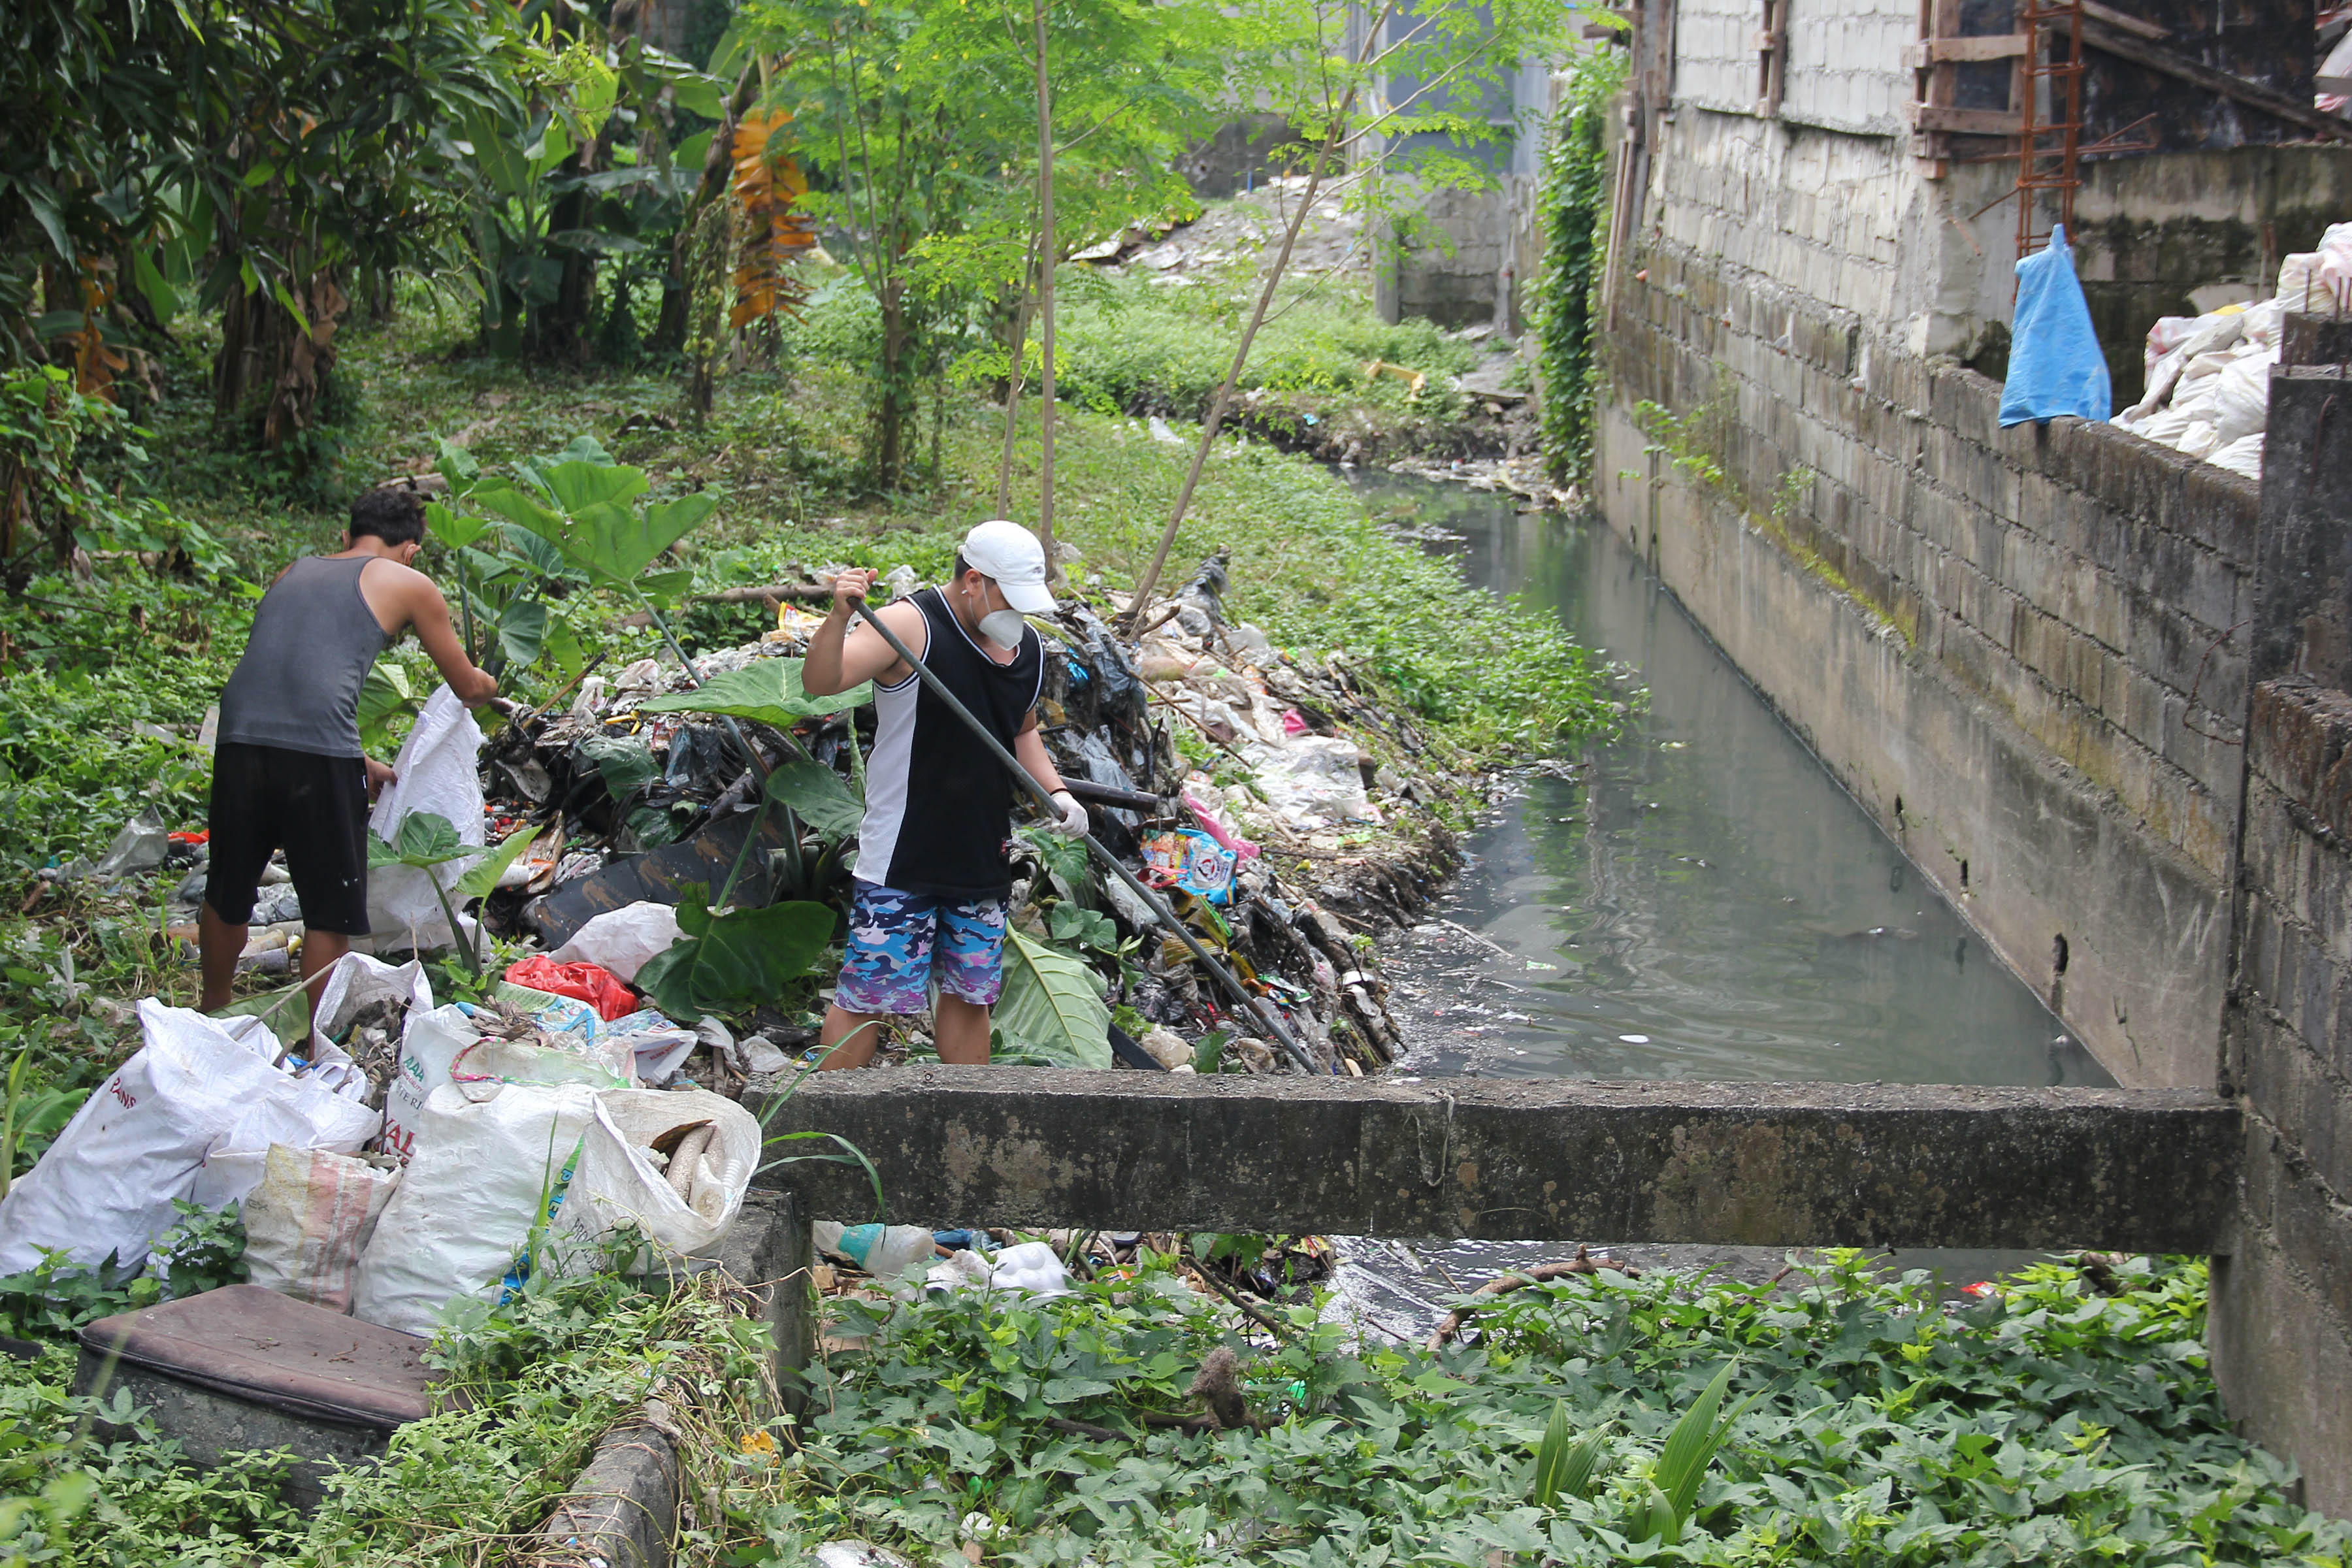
883 1251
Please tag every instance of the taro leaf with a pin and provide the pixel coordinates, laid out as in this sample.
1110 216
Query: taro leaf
624 762
1089 927
597 530
483 875
426 839
453 529
767 690
1053 1006
819 794
458 467
733 962
522 630
385 693
667 588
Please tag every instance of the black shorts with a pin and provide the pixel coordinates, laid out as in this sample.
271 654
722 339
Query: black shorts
266 798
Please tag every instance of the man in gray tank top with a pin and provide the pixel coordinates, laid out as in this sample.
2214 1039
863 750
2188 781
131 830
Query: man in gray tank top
288 770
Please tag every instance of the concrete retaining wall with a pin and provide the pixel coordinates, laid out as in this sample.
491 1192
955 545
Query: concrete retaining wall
1753 1164
2022 651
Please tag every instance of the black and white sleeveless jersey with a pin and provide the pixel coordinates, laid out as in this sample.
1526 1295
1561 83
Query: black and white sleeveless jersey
938 808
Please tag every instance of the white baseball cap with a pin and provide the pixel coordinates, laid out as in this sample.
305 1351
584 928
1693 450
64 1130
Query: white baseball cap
1010 555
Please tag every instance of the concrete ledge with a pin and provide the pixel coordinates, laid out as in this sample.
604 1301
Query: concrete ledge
622 1512
1756 1164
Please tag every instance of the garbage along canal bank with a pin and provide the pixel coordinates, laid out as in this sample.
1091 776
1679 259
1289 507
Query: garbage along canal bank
1696 898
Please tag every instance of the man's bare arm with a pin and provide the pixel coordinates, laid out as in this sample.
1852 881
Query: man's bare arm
429 612
841 656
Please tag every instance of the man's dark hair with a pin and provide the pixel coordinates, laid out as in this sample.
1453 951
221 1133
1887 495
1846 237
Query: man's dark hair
393 514
962 566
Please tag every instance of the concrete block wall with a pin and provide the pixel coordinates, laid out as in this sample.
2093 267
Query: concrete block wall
2034 640
2281 1309
1845 65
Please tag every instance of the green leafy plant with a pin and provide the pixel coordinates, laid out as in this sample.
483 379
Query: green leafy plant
426 841
1572 214
736 960
1565 1462
1052 1009
766 690
1663 1500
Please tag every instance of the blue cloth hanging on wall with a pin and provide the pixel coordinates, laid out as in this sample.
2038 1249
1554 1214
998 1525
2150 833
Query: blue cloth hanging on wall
2054 363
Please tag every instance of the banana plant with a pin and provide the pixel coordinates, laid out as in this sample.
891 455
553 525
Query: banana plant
426 840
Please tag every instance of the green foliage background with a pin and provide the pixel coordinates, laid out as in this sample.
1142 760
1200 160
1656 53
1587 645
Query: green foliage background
1572 214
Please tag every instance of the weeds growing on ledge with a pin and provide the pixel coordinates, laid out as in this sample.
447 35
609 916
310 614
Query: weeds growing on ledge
1868 1422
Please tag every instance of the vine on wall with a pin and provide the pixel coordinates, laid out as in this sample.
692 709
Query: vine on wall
1572 206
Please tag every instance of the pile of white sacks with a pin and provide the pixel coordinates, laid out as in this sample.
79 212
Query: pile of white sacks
2209 376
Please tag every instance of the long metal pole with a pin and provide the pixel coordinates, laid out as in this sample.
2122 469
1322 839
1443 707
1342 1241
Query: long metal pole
1254 1006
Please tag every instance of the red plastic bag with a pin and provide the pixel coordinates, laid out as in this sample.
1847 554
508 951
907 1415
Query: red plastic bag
592 984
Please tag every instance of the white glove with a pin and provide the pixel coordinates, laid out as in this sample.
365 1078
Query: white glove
1074 816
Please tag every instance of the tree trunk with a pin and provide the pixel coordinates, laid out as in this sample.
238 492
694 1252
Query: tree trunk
271 370
894 414
1046 257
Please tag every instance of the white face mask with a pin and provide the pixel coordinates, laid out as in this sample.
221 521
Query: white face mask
1003 628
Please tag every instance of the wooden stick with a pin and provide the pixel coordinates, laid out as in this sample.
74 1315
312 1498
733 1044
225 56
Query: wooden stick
1582 1263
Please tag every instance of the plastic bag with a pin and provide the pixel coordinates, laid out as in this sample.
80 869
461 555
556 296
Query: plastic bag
622 940
1314 781
438 774
309 1220
2054 363
589 982
2243 456
683 1207
141 1139
483 1173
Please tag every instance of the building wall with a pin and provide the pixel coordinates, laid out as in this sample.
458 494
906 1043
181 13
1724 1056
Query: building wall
2014 648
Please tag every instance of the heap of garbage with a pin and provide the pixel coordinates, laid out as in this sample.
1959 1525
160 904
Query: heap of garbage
2209 376
1206 757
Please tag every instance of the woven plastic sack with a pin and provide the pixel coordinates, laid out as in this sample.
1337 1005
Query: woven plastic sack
308 1221
442 1047
2054 363
438 774
682 1208
482 1175
143 1137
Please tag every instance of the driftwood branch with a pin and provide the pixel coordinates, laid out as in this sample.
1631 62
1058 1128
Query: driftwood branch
767 594
1583 1263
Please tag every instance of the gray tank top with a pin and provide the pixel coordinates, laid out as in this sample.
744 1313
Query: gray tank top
297 685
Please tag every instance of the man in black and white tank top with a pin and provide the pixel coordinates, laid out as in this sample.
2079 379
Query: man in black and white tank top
934 853
288 772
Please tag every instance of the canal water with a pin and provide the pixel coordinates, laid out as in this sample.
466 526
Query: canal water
1695 897
1692 898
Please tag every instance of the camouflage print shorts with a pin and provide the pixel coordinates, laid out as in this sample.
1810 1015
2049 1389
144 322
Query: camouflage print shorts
898 941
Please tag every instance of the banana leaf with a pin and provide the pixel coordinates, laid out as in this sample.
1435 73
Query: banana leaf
1052 1009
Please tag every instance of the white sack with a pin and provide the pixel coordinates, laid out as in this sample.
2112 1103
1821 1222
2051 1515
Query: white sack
141 1139
354 982
442 1047
617 1184
437 771
466 1203
622 941
2241 398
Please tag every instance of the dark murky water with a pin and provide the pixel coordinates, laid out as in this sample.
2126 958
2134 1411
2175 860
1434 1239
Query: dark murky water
1697 898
